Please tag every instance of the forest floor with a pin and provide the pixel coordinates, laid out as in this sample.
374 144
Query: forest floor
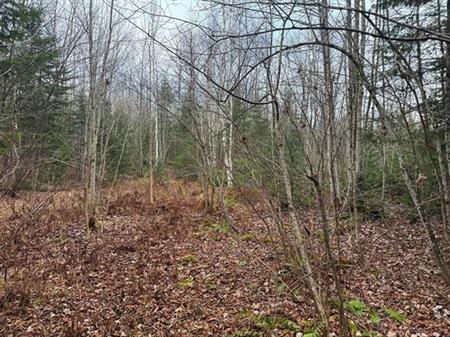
169 269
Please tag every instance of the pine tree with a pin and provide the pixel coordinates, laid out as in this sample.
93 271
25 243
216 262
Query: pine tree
33 90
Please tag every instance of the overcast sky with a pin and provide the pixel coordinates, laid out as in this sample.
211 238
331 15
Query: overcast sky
178 8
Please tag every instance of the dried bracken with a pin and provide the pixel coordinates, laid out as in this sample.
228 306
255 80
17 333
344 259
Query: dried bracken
158 270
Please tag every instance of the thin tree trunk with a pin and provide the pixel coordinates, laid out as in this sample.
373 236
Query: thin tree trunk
443 265
91 144
344 329
97 95
313 285
329 113
447 105
228 150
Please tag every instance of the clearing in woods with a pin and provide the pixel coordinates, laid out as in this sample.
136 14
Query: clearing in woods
169 269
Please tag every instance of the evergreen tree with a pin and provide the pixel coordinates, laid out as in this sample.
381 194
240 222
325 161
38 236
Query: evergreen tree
33 90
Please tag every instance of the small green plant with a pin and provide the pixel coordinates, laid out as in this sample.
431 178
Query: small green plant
374 317
353 327
296 293
265 323
244 315
188 259
38 301
287 269
269 323
334 302
268 239
356 307
281 288
374 272
312 333
229 201
187 282
247 333
220 227
211 286
395 315
246 236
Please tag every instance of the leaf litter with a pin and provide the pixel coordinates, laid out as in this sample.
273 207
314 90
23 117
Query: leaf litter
159 270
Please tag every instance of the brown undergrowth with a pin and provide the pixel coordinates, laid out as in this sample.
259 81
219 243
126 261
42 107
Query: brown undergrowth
171 269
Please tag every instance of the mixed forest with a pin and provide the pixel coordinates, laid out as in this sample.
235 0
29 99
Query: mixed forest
225 168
